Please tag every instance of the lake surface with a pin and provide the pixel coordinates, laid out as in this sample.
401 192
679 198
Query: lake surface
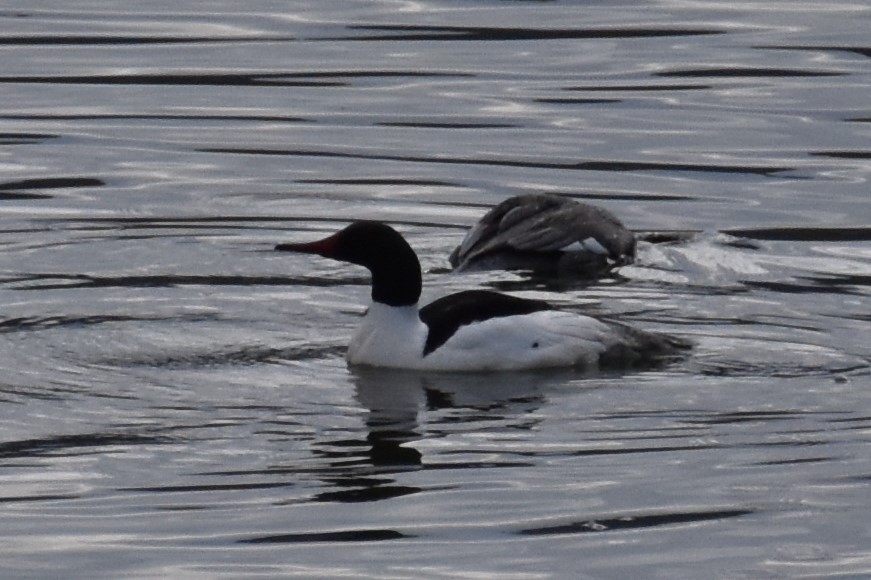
174 397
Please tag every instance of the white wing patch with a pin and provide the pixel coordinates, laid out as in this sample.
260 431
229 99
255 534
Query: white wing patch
590 244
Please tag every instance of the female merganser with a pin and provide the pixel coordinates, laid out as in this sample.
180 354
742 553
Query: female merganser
475 330
547 234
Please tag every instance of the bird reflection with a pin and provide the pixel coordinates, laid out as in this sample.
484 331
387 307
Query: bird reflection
405 407
391 423
395 400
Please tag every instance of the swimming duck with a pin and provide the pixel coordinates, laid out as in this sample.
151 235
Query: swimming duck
474 330
548 235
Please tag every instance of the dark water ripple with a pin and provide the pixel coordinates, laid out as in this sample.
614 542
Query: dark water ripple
330 537
860 50
800 234
71 445
23 189
633 521
747 73
621 166
123 40
285 79
498 34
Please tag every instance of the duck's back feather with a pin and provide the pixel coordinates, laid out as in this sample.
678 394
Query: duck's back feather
445 316
546 226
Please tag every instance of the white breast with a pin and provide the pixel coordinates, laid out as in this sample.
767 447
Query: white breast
388 336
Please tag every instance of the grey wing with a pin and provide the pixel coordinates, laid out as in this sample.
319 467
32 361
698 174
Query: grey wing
518 223
544 223
545 231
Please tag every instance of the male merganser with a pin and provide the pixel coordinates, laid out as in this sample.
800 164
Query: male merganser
548 234
475 330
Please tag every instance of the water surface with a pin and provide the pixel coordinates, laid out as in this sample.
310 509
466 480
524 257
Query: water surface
175 401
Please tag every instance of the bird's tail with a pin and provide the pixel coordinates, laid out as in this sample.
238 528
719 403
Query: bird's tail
635 347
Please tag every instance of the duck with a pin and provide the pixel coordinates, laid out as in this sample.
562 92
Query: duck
548 235
472 330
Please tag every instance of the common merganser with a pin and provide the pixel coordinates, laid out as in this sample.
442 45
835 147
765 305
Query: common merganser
474 330
547 234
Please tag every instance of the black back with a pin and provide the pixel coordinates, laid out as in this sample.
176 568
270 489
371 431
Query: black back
444 316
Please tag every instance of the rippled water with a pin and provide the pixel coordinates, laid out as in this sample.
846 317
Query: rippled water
174 397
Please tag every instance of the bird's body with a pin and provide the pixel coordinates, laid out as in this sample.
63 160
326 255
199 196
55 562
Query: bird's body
476 330
398 338
546 234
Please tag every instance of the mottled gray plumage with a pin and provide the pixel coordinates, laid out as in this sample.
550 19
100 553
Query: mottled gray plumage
547 234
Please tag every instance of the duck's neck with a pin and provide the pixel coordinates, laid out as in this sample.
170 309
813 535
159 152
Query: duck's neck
396 280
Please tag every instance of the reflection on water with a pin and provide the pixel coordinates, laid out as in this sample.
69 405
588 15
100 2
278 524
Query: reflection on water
393 404
174 398
395 399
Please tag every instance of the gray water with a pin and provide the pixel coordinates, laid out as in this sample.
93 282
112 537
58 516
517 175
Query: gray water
174 397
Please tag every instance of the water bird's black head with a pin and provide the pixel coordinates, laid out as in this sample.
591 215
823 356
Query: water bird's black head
396 277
